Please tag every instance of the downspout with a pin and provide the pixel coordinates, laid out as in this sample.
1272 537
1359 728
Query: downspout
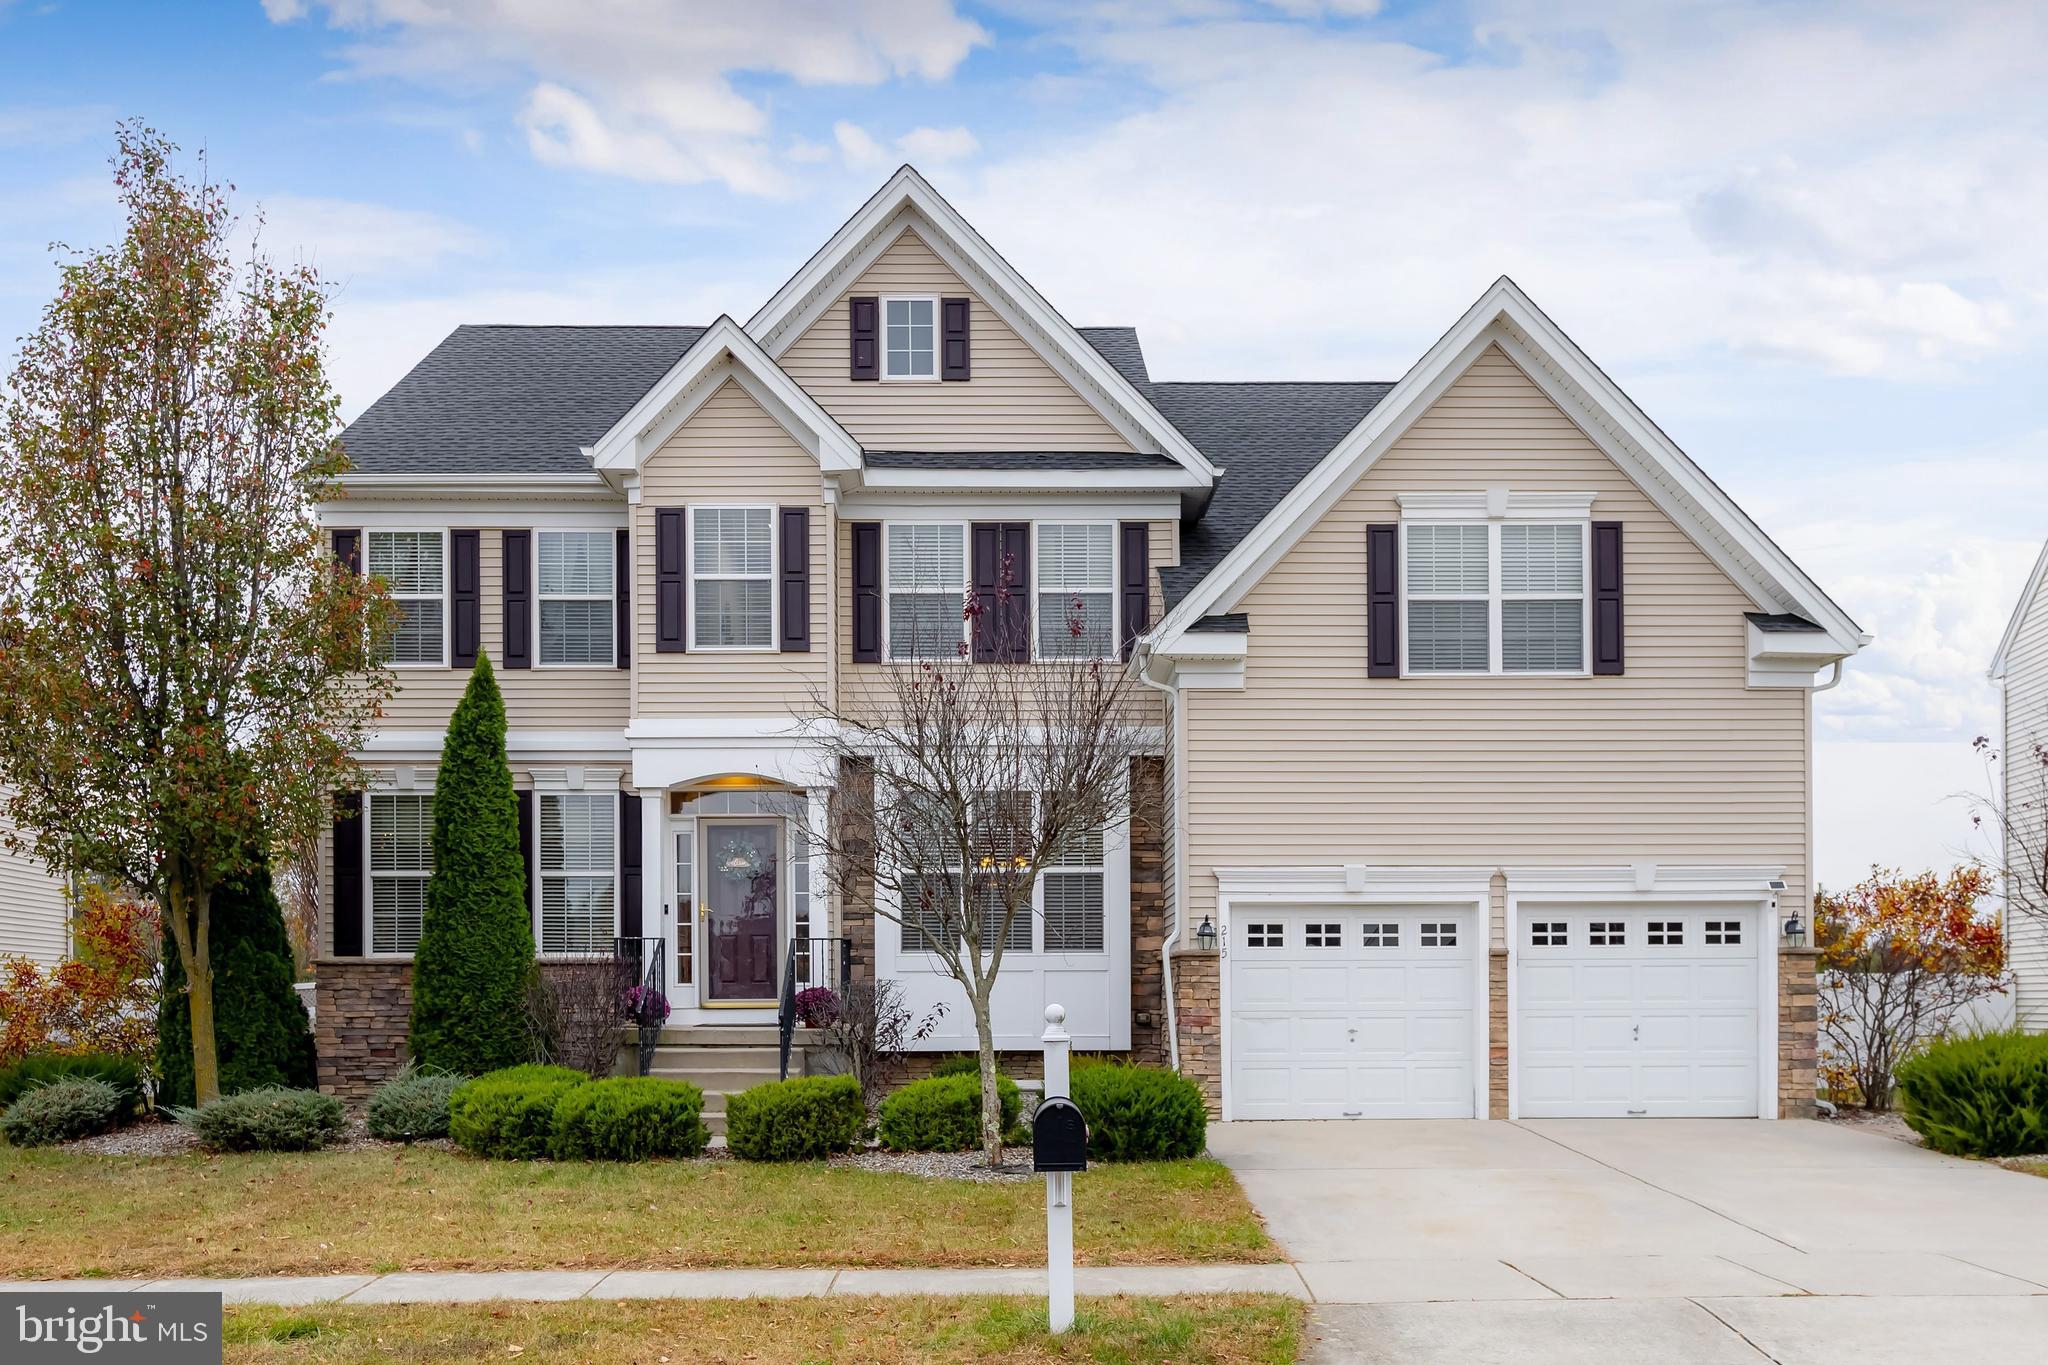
1141 656
1833 680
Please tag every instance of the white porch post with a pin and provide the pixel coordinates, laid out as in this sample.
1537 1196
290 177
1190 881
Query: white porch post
655 921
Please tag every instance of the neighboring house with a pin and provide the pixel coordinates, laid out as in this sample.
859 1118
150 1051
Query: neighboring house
1484 716
35 907
2020 668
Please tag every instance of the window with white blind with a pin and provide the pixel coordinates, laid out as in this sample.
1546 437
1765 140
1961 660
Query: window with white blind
578 872
401 839
1076 590
1072 893
1494 597
909 338
413 565
925 584
576 584
732 564
1068 897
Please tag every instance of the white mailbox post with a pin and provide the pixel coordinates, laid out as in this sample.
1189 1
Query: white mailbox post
1059 1185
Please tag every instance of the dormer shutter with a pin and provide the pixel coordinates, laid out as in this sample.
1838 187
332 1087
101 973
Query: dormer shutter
1383 600
1607 630
864 355
953 338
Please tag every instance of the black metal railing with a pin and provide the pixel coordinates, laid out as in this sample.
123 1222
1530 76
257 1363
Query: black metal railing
812 964
643 981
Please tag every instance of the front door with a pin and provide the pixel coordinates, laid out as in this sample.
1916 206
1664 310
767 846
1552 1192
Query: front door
742 881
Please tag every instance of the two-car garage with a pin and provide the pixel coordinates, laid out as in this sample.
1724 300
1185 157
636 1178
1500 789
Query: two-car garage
1354 1009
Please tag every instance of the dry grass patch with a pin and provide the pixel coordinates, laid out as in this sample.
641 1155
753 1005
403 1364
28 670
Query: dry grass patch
1225 1330
63 1215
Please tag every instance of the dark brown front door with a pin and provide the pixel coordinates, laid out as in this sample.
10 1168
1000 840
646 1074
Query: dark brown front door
742 896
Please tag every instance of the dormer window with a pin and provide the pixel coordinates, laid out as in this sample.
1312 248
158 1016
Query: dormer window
910 338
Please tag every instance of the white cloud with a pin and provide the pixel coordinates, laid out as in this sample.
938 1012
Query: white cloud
857 147
935 146
345 239
643 88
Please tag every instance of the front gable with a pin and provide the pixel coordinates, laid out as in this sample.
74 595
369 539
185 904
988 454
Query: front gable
1014 398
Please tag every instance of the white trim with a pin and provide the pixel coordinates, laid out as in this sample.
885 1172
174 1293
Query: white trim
1788 658
1496 504
1033 481
359 487
441 510
447 593
875 226
724 350
882 339
1352 885
1505 316
1019 504
695 543
386 746
1747 887
611 595
2019 613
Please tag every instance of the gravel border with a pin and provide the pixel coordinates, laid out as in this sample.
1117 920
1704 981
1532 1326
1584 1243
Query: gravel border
938 1166
162 1137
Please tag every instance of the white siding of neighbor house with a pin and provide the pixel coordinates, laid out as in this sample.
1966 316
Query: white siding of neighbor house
1013 400
35 908
2026 724
1678 761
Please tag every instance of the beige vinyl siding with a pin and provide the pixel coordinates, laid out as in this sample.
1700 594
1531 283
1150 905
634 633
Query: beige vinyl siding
35 907
730 451
1314 764
2026 724
1014 401
535 698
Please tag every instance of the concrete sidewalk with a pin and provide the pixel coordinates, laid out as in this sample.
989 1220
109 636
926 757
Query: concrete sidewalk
543 1285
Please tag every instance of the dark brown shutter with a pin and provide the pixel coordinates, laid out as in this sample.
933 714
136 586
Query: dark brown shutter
1383 600
671 616
867 591
465 598
1607 631
524 801
1134 587
629 865
348 874
348 548
863 357
953 340
622 596
794 575
1001 553
518 582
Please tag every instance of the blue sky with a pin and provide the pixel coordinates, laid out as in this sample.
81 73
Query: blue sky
1803 236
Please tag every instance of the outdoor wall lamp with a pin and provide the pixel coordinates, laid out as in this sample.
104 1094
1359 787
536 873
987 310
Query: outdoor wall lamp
1205 937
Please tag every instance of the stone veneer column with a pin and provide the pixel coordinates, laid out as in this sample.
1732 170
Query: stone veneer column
853 800
361 1013
1148 911
1197 1001
1497 1035
1798 1032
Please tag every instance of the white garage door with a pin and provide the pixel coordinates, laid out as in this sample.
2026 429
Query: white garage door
1351 1013
1636 1013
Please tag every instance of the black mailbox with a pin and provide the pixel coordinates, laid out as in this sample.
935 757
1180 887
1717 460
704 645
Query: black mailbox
1059 1137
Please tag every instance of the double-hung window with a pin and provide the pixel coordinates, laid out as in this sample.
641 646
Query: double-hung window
1076 590
926 585
1068 896
576 584
413 565
401 837
1072 894
1494 596
578 872
732 564
909 338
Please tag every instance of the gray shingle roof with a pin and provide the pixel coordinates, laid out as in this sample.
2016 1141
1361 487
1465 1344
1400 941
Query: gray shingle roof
1779 623
1225 623
1265 437
512 400
1119 346
1059 460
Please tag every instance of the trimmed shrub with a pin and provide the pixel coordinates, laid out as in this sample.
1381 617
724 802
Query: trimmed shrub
60 1110
1984 1095
43 1068
511 1113
629 1118
469 975
801 1119
943 1113
412 1106
260 1028
964 1064
270 1119
1139 1113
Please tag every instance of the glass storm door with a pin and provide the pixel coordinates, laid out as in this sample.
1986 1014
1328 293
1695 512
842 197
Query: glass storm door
742 881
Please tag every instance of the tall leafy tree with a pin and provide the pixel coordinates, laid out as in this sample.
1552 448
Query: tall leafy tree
185 673
475 955
263 1033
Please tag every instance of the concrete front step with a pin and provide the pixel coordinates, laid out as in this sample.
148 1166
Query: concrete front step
731 1058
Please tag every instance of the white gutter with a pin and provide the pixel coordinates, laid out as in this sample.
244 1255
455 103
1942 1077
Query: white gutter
1174 736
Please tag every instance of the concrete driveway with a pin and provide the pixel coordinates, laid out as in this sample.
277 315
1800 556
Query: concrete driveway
1615 1242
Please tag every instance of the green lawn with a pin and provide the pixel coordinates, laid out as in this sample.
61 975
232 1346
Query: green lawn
63 1216
1225 1330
